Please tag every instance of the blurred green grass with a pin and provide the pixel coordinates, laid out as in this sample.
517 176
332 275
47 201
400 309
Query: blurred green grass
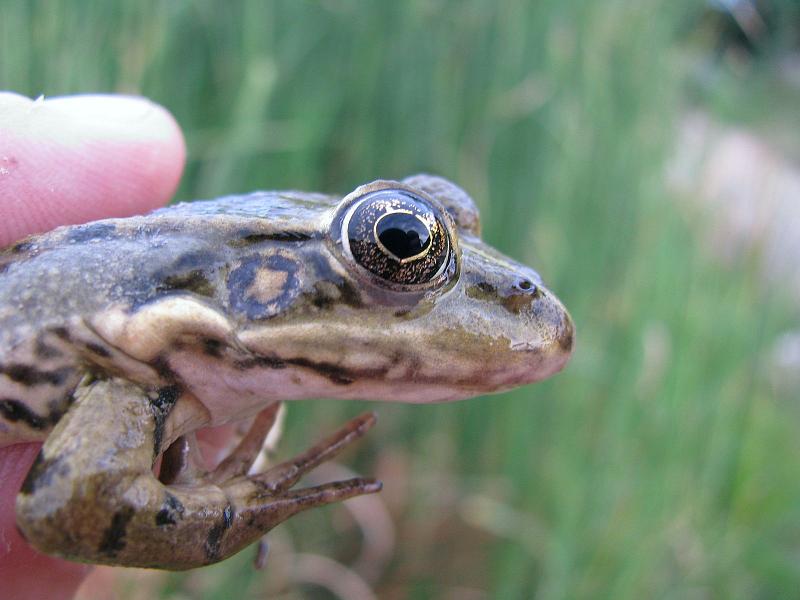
663 462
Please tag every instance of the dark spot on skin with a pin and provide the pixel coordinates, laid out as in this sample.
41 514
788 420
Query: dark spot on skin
194 260
21 247
567 339
193 281
242 278
565 342
321 298
98 350
270 362
214 540
30 376
32 479
14 411
171 511
329 294
250 239
482 291
59 407
161 406
114 537
43 350
161 366
518 299
335 373
193 272
92 231
516 303
61 333
42 473
348 294
212 347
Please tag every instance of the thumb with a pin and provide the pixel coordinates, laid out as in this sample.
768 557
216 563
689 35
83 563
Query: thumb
63 161
78 158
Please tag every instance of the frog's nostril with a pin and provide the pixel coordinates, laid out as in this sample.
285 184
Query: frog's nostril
527 286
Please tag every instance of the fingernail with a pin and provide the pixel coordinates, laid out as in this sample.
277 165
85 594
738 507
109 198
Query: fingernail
105 108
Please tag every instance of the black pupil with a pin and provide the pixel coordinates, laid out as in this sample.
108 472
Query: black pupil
403 235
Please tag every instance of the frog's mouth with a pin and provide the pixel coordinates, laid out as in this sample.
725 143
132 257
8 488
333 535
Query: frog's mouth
443 355
465 345
482 347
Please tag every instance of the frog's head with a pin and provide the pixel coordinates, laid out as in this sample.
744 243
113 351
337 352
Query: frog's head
400 299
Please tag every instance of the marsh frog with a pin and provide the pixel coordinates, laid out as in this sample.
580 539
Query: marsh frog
121 338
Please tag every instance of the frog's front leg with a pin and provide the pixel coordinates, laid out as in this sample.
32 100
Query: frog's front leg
92 496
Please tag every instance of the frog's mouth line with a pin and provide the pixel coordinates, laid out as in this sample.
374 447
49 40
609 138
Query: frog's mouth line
260 378
375 363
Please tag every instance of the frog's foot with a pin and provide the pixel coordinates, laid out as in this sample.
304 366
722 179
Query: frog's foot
286 474
182 462
92 495
260 502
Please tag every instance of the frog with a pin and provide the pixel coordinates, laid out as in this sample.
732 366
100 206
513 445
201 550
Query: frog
121 338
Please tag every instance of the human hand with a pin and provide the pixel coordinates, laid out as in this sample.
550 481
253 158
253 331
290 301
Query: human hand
65 161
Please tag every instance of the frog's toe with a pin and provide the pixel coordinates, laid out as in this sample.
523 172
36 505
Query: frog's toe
241 459
290 502
285 475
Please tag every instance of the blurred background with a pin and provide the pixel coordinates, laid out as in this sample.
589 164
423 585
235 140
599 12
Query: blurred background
643 156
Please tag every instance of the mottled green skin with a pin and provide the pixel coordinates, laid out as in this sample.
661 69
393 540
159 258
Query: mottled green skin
205 313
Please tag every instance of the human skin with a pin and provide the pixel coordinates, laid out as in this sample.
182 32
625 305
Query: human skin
65 161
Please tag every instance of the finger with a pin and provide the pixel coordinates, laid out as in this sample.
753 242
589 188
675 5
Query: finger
79 158
24 573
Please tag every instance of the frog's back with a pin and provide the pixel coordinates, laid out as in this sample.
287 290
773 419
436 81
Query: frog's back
52 287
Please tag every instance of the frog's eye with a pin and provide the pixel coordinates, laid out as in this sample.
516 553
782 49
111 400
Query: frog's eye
397 236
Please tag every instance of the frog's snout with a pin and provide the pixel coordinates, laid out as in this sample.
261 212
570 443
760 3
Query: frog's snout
549 333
